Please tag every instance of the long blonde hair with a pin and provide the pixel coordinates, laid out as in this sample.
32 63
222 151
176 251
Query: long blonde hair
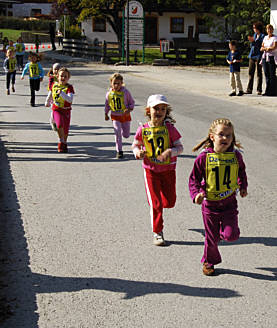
207 142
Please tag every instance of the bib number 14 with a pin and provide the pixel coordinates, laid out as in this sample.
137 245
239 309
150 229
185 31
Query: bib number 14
226 177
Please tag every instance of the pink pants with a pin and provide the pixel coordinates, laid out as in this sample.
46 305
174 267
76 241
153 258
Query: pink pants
161 193
62 119
121 130
220 223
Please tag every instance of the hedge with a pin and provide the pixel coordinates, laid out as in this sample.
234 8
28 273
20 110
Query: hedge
22 24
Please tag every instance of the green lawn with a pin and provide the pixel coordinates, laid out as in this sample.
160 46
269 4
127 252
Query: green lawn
11 34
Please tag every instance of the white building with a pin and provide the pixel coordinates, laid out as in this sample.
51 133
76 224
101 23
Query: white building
273 14
167 25
29 8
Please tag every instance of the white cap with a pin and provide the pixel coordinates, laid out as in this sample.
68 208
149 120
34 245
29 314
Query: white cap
155 100
56 66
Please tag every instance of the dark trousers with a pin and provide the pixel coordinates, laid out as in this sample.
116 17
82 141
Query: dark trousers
251 71
19 60
270 76
10 76
34 86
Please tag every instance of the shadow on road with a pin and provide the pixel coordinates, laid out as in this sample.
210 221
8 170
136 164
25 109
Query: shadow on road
266 241
20 286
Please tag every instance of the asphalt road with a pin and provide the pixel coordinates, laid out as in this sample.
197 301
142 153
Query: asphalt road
75 228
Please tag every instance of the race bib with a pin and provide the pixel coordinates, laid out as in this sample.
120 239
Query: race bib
12 63
221 175
19 47
116 101
156 141
57 99
34 70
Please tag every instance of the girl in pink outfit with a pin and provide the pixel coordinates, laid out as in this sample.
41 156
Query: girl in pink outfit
121 103
158 143
61 97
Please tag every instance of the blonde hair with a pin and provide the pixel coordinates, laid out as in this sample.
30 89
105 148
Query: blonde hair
207 142
168 116
9 51
269 26
116 76
64 69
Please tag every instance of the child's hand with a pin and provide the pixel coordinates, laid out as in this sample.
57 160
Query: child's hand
41 79
140 154
47 104
243 193
164 156
22 77
199 198
106 117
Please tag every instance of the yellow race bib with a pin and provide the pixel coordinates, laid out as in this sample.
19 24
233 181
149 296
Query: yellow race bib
116 101
156 141
57 99
34 70
221 175
12 63
19 47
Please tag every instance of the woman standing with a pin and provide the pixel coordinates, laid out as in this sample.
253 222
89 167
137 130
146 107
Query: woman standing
269 59
255 56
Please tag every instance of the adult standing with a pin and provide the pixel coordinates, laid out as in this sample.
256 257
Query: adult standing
255 56
52 32
269 60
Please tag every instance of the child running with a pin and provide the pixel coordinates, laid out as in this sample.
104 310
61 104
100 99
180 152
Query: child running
20 51
52 74
61 95
10 70
218 172
158 143
121 103
36 74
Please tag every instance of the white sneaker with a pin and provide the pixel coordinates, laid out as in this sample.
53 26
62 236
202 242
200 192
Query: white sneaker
158 239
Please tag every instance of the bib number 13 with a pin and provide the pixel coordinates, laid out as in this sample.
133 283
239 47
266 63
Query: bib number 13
226 177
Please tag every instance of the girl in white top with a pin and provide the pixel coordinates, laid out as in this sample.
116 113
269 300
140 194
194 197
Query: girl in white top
269 60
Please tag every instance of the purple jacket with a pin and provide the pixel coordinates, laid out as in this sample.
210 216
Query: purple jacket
128 101
197 177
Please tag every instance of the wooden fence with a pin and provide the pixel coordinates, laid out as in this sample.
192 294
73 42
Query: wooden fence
97 52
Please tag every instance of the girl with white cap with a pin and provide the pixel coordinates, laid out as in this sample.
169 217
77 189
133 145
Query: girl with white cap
158 143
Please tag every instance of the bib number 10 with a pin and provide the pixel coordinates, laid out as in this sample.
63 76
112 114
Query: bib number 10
226 177
117 103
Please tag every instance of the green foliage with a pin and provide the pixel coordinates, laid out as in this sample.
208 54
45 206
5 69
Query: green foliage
74 32
22 24
240 15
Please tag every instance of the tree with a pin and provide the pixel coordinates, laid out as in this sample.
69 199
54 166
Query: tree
239 16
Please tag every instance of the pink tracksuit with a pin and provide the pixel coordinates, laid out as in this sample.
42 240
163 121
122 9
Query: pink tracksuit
220 217
121 120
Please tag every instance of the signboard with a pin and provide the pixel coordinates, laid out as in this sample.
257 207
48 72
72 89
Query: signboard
136 25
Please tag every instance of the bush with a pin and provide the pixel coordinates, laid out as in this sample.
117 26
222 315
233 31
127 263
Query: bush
22 24
74 32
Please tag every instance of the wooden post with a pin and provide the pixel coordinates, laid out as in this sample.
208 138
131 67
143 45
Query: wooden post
214 52
104 52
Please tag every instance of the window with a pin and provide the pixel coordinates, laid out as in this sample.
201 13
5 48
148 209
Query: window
99 25
35 12
177 25
203 26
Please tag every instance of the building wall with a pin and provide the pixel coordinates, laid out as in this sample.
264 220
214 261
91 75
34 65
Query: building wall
108 36
273 14
24 10
164 25
163 29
